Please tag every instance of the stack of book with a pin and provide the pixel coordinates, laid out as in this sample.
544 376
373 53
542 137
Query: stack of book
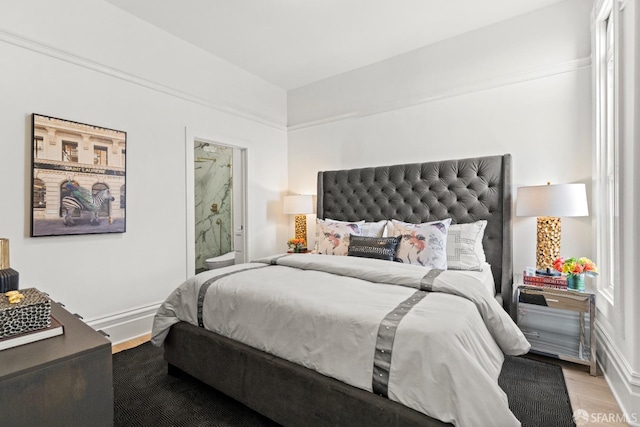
557 282
54 330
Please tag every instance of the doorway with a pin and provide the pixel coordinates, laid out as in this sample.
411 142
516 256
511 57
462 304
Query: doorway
213 192
216 200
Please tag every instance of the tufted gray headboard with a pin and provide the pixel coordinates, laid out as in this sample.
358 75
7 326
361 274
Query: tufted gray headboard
465 190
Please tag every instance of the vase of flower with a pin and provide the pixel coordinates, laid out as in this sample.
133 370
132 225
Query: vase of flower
297 245
576 282
576 269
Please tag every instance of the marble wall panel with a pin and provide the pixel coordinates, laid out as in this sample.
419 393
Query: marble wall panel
213 201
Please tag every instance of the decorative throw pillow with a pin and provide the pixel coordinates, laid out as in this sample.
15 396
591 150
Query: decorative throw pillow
333 237
374 229
373 247
423 244
464 246
320 222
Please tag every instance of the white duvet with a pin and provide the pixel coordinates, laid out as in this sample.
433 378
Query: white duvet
323 312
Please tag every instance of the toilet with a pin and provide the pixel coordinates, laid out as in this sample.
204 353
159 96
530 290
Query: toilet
221 261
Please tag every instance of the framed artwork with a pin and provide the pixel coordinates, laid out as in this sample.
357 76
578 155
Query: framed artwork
78 178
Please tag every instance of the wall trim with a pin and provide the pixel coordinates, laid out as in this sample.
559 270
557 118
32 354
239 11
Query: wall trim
497 82
126 325
45 49
622 376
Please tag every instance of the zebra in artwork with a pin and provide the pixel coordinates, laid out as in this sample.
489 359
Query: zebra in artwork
81 199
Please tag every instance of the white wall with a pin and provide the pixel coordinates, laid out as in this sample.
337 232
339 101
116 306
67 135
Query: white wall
87 61
521 87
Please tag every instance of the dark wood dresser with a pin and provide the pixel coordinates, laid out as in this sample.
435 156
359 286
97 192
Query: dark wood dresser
60 381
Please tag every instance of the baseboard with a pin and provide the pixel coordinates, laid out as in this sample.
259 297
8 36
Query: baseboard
126 325
623 381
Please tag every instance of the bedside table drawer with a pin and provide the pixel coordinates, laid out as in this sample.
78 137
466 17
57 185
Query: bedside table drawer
558 299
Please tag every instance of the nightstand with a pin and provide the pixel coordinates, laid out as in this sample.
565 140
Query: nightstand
558 323
60 381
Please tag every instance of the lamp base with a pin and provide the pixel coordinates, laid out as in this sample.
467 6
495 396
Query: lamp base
301 227
8 280
548 245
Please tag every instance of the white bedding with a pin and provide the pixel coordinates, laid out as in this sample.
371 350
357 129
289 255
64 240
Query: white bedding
483 279
323 312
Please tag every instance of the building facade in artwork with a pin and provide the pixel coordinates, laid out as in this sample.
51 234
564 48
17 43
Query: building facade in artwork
87 156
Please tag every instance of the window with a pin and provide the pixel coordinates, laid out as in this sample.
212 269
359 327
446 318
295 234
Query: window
99 155
606 146
69 151
38 147
39 194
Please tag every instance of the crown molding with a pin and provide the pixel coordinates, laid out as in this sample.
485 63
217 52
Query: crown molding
517 78
45 49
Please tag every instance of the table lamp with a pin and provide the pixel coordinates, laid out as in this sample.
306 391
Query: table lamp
299 205
549 203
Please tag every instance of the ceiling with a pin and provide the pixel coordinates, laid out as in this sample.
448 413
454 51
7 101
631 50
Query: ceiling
291 43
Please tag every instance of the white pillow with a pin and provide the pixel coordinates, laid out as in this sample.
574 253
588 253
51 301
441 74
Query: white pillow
333 237
423 244
374 229
464 246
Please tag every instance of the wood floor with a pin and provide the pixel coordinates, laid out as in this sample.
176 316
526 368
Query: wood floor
130 344
591 394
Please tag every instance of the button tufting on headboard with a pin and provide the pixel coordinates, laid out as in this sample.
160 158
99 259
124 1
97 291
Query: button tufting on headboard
465 190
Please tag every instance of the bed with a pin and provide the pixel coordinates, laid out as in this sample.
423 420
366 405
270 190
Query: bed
297 381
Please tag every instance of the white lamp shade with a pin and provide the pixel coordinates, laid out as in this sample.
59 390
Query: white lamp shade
552 200
298 204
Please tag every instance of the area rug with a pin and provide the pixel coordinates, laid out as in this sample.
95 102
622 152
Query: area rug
146 396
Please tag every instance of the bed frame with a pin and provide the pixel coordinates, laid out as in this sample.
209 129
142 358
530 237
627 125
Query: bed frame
465 190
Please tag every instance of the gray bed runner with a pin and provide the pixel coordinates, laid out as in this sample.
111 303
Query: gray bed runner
387 333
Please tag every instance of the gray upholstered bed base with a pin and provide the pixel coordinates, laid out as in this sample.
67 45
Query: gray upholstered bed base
465 190
280 390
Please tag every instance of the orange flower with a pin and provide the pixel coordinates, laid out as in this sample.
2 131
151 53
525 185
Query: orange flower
558 263
572 266
296 242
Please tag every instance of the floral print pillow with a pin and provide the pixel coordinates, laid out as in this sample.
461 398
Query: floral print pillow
321 222
423 244
333 237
